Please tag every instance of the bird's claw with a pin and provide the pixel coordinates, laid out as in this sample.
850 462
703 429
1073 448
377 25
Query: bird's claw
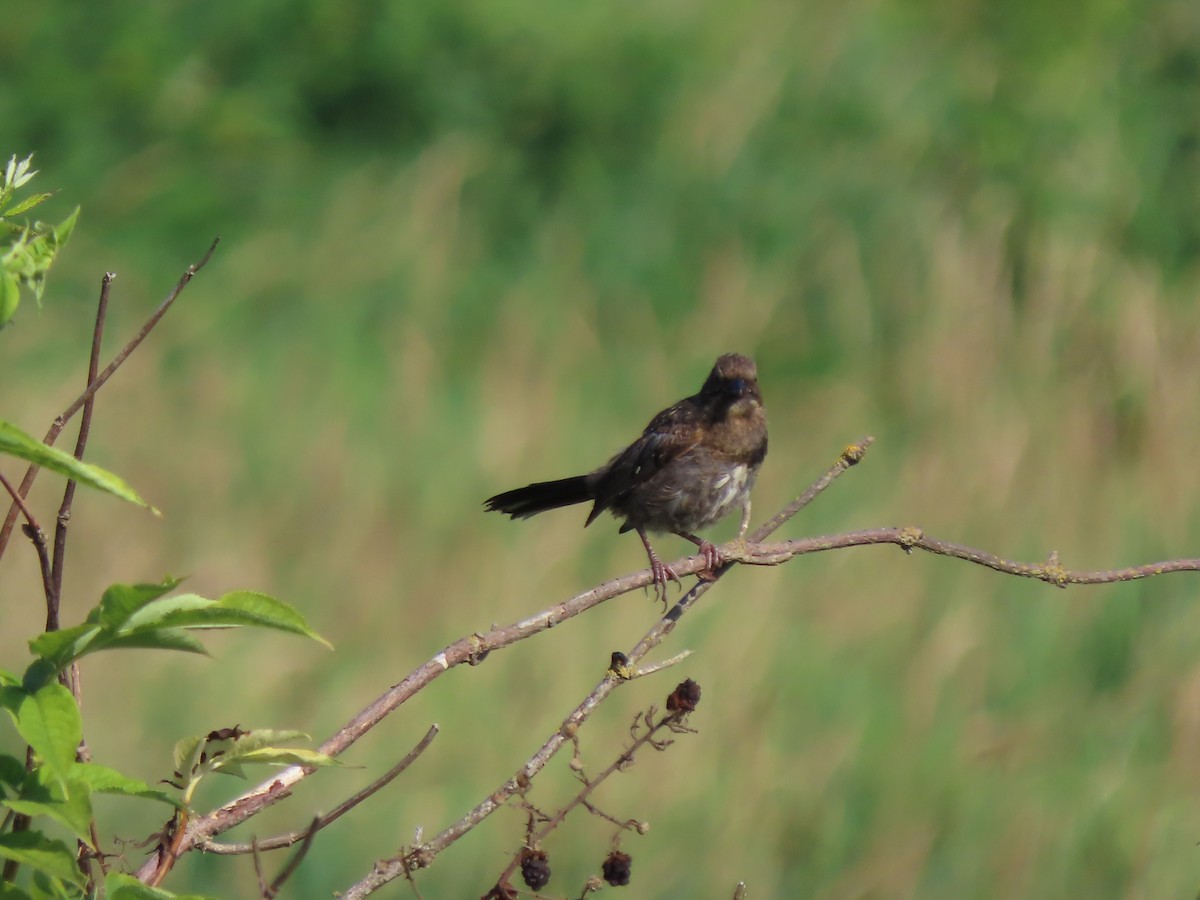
660 574
713 560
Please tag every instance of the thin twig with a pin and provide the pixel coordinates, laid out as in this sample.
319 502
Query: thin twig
294 862
581 799
643 671
913 538
32 530
286 840
38 538
77 404
85 427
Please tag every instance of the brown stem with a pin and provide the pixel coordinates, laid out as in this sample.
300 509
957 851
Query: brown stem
85 427
77 404
581 799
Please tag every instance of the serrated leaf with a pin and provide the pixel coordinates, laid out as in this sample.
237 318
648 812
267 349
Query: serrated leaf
17 443
103 780
268 612
28 203
49 722
30 848
238 608
121 601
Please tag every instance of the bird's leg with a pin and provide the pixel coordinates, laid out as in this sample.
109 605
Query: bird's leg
660 571
713 557
745 519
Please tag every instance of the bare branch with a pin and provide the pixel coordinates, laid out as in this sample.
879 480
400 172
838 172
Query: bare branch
95 385
85 427
913 538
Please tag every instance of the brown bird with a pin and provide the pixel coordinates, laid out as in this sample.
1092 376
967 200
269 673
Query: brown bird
693 465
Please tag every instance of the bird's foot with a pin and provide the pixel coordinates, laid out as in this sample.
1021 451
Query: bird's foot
660 572
714 559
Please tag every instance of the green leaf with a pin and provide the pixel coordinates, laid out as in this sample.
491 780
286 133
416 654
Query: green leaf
62 231
46 888
157 639
12 770
103 780
233 609
173 612
68 804
28 203
186 754
286 756
30 848
118 886
17 443
49 722
196 757
10 298
8 892
121 601
63 646
39 673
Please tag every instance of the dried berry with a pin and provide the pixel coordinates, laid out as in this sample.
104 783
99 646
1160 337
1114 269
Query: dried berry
616 868
685 697
535 869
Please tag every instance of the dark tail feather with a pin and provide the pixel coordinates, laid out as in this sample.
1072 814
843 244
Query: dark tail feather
535 498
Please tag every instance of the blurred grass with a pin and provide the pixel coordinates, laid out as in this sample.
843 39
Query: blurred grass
472 245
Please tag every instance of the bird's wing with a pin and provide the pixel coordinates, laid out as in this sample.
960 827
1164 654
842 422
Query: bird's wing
669 435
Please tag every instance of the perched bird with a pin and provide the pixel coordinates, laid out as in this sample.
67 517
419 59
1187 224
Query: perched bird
693 465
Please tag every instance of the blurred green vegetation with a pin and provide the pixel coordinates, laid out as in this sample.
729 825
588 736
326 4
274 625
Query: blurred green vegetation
470 245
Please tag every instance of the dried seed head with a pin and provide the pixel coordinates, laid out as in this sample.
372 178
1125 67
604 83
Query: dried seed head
685 697
616 868
535 869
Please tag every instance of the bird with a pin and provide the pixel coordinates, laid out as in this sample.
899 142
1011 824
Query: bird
694 464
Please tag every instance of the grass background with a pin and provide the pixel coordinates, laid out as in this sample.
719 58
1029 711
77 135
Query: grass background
469 245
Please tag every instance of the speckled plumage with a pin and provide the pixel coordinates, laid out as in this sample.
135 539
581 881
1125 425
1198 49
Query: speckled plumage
693 465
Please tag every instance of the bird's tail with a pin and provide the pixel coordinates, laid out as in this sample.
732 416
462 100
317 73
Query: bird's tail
535 498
